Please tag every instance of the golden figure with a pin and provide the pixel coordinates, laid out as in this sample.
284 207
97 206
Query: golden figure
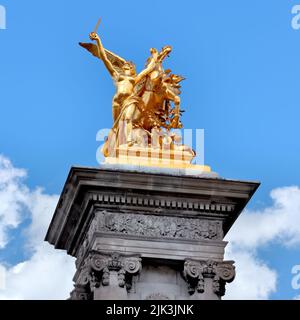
145 107
161 88
125 102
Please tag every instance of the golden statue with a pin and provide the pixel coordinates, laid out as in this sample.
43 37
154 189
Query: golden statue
145 108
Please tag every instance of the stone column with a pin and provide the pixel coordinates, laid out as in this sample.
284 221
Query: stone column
103 276
115 221
207 279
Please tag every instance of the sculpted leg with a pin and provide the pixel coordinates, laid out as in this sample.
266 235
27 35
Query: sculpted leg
129 116
115 110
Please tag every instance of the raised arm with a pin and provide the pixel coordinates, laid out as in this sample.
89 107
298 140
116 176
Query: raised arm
150 66
102 54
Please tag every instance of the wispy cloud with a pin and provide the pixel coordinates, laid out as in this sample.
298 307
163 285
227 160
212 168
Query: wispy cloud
48 273
14 198
278 224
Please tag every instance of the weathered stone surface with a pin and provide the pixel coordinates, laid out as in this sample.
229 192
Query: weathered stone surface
147 236
158 226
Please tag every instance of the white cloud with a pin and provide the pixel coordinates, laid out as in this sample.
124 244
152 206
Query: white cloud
48 273
297 297
254 280
280 224
13 198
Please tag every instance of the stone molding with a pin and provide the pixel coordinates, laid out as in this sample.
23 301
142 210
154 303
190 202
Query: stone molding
159 202
88 189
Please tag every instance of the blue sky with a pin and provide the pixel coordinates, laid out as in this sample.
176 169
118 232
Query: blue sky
241 61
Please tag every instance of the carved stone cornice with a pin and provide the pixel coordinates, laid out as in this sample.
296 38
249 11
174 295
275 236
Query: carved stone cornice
147 201
195 273
89 189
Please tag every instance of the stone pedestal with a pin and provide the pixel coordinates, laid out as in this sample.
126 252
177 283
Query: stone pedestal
139 235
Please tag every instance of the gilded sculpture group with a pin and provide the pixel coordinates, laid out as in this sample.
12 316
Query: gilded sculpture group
146 105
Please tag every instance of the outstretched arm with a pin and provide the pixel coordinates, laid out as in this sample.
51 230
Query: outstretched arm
149 68
102 54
